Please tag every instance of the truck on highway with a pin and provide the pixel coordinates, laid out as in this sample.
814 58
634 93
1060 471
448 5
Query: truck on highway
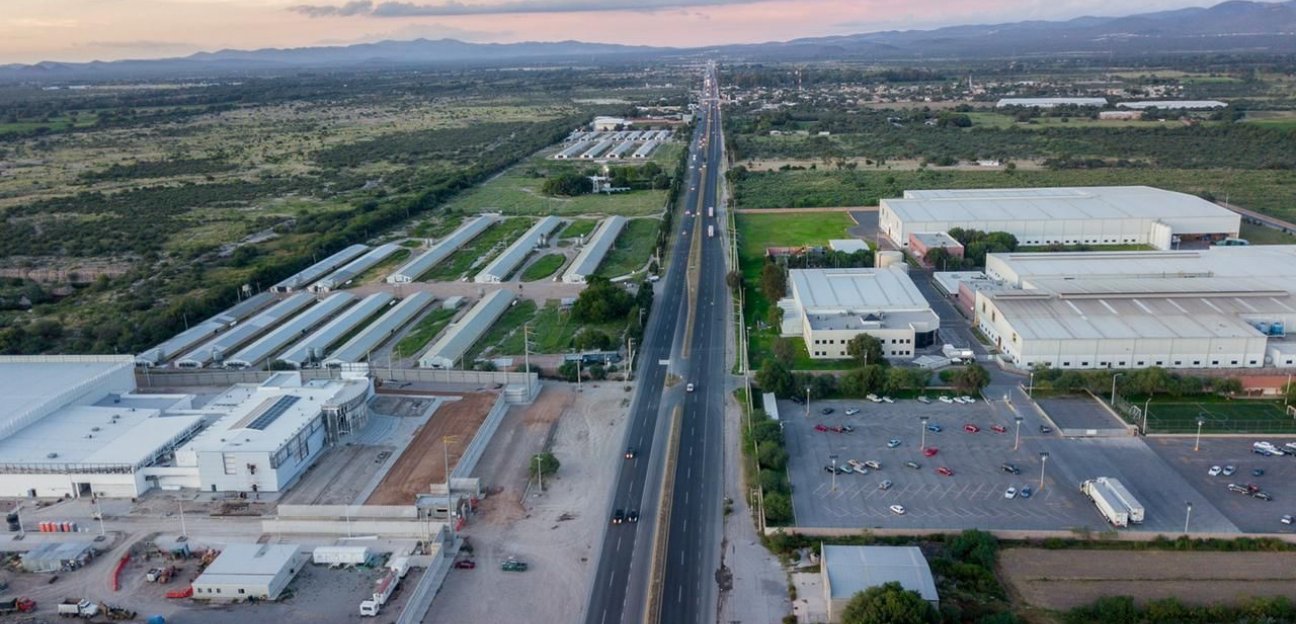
1115 502
710 231
711 211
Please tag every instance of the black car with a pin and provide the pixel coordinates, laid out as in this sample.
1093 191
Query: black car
633 516
631 453
829 468
1010 469
826 411
1046 429
618 517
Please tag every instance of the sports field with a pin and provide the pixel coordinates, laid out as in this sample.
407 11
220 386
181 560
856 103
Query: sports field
1240 416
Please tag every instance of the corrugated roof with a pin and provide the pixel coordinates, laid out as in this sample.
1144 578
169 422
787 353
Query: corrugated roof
300 353
320 269
853 569
462 334
292 329
856 290
589 259
507 262
425 261
357 348
241 333
1053 204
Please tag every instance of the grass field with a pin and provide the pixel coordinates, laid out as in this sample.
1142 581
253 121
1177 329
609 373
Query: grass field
578 228
1239 416
552 331
378 272
501 334
1260 235
632 248
544 267
1001 120
423 333
478 251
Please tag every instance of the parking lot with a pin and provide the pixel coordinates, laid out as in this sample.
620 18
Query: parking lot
974 495
1249 514
1079 414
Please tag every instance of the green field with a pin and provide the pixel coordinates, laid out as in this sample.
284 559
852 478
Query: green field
1002 120
552 331
1238 416
544 267
421 334
632 248
53 124
1261 235
485 247
578 228
501 334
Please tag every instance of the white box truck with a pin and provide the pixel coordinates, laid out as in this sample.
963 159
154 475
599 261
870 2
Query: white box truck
710 231
1108 501
957 354
1132 506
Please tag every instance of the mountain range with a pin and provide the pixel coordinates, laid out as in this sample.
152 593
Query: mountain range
1236 26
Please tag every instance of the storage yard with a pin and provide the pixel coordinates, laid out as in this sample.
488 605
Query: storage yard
450 428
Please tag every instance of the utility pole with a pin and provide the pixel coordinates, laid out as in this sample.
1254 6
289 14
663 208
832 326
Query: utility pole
526 355
184 531
540 472
834 474
579 358
1017 441
1197 445
1043 462
629 371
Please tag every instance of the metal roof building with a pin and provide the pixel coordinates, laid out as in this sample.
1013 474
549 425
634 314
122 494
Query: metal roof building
1099 215
1173 104
589 259
646 149
204 330
244 571
573 150
829 307
620 150
1050 102
848 570
462 334
273 341
425 261
507 262
593 152
315 271
311 349
354 268
217 348
357 348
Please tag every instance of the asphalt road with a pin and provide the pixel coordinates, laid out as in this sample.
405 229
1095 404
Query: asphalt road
620 583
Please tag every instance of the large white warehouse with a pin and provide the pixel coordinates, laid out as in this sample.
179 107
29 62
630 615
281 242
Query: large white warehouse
1099 215
315 271
311 349
462 334
358 347
274 340
507 262
589 258
1223 307
424 262
828 307
353 269
216 349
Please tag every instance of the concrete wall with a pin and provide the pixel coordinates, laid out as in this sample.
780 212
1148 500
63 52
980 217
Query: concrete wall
386 528
155 378
473 452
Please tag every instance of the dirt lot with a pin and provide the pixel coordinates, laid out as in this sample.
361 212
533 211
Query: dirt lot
1064 579
556 532
423 462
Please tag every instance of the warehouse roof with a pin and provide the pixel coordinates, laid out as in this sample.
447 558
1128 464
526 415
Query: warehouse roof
442 249
294 328
853 569
589 258
205 330
507 262
354 268
314 344
31 385
848 245
222 344
1050 102
358 347
462 334
249 564
97 436
1052 204
320 269
1255 267
1173 104
1049 317
856 289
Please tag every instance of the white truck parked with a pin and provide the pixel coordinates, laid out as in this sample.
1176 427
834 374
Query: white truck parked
1115 502
957 354
383 589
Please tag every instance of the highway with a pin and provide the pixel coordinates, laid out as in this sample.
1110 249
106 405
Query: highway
620 585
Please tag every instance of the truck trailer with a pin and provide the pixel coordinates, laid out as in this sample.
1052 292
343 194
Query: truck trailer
710 231
1115 502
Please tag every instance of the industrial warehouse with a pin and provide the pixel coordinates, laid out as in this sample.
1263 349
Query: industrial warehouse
1222 307
424 262
591 256
447 351
829 307
508 262
1106 215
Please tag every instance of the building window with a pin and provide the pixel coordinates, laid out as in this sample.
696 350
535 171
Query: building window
1084 363
1158 362
1178 362
1196 362
1066 363
242 591
1214 362
1234 362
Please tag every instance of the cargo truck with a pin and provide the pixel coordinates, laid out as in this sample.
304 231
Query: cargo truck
710 231
957 354
383 589
1115 502
711 211
78 608
1132 506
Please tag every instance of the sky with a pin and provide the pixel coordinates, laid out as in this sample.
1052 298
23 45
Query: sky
83 30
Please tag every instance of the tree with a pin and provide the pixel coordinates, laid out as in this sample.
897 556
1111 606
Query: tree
734 280
889 604
778 508
773 282
971 378
546 463
784 350
771 456
568 370
1228 385
775 377
867 350
567 184
601 301
592 339
975 547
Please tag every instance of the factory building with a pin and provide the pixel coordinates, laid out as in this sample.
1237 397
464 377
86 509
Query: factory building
598 148
311 349
508 262
274 340
607 124
243 571
462 334
646 149
355 268
828 307
357 349
1051 102
1174 104
205 330
1100 215
592 255
424 262
215 350
922 242
315 271
1222 307
849 570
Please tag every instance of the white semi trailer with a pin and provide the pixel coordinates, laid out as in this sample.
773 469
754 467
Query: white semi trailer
1115 502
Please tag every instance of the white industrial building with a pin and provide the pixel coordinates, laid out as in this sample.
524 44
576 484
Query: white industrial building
1174 104
315 271
599 148
828 307
849 570
462 334
244 571
293 329
1222 307
355 268
205 330
848 245
507 262
1051 102
646 149
1099 215
215 350
357 349
311 349
592 255
607 124
424 262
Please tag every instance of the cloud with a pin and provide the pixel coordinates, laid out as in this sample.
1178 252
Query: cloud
422 31
456 8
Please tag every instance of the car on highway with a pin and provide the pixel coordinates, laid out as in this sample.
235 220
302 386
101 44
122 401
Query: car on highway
893 442
1010 468
1286 519
1010 493
945 399
930 451
1229 470
1214 471
465 564
826 411
885 485
913 464
971 428
934 428
851 411
898 510
944 471
1025 492
688 387
999 429
631 453
632 516
618 516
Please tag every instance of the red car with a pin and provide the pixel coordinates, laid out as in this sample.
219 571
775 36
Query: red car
944 472
820 428
930 451
465 564
971 428
999 429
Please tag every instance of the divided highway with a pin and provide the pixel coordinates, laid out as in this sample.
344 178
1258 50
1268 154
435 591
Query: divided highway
621 580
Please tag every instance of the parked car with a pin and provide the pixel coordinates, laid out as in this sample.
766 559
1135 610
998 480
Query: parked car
1214 471
968 399
1237 489
999 429
885 485
923 399
1257 472
887 399
934 428
873 398
1025 492
1010 493
898 510
1229 470
1010 468
861 468
826 411
844 469
945 399
913 464
892 443
930 451
971 428
1286 519
960 400
1046 429
829 468
851 411
1264 496
465 564
944 471
845 429
821 427
873 464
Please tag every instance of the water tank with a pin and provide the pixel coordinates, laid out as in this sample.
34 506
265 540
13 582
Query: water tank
889 258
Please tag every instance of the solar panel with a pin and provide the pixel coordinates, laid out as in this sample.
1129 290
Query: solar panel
273 414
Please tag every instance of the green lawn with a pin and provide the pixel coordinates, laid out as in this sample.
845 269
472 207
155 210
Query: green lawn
483 248
1261 235
379 271
544 267
552 331
632 248
1237 416
422 334
762 345
578 228
494 342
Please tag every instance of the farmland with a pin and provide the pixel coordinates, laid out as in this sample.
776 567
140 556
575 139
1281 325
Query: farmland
632 248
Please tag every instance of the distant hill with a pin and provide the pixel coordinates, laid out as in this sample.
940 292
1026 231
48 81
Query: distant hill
1234 26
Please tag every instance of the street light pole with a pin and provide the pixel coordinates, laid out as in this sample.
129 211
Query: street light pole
922 431
1113 399
834 475
184 531
1146 406
539 472
1030 385
807 402
1017 440
1043 462
1197 445
1187 517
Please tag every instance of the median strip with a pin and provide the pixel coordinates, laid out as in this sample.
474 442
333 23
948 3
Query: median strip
661 534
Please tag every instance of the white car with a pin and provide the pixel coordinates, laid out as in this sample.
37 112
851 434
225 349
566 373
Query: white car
1290 446
873 398
1010 493
898 510
946 400
851 411
873 464
688 387
967 399
960 400
1287 519
887 399
923 399
1214 471
861 469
